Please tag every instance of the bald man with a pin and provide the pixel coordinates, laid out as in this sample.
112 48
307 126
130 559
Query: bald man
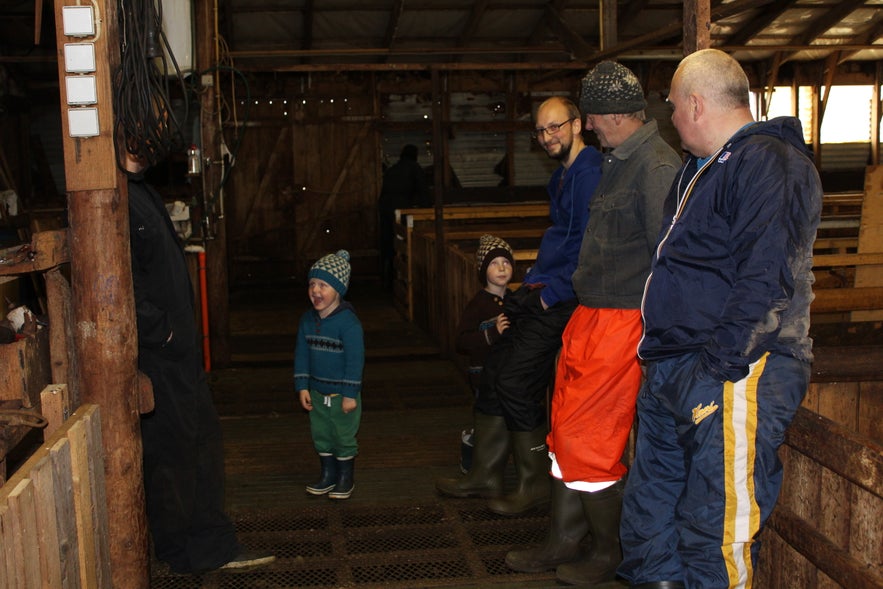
726 345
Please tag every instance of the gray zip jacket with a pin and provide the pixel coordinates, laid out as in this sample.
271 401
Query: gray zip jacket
625 217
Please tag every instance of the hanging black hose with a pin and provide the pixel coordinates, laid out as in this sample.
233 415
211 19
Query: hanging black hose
142 109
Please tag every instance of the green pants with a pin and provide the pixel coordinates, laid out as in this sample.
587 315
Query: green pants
334 432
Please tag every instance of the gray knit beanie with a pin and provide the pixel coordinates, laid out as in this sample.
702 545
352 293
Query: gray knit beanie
490 247
333 269
611 88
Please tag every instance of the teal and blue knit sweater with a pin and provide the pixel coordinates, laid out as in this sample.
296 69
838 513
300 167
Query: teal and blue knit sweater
330 353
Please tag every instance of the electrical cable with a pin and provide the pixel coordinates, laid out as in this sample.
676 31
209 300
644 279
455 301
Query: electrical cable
144 117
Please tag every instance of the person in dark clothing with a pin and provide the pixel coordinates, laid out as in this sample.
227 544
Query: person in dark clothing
404 186
183 452
482 321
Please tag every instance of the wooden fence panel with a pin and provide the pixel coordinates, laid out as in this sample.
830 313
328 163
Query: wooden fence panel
53 512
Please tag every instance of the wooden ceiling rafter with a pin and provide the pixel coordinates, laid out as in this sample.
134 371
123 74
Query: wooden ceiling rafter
874 32
579 48
754 26
819 26
308 16
475 16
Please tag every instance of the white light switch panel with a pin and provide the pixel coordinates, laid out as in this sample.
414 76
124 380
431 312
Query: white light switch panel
82 122
81 89
78 21
79 57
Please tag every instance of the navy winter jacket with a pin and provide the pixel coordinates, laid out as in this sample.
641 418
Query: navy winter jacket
732 275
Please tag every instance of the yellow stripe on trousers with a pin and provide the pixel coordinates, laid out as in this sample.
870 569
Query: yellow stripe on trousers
741 513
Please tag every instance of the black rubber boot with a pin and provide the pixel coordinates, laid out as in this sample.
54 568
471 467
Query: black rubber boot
532 468
602 510
345 483
489 456
568 527
327 477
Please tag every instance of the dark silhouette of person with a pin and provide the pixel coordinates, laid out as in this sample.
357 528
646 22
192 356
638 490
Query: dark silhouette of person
404 186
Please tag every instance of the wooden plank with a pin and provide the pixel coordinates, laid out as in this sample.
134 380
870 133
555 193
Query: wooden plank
55 404
829 300
839 403
870 415
47 249
862 259
866 540
870 239
24 529
89 498
824 555
854 457
58 308
7 548
65 512
43 476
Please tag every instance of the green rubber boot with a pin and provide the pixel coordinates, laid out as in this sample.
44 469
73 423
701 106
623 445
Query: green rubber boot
489 456
532 467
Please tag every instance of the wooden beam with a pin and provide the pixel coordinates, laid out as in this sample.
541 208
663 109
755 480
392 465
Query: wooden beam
608 24
475 15
102 299
836 563
697 25
575 43
761 21
395 16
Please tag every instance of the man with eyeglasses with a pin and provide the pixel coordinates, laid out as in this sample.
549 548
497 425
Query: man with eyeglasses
510 411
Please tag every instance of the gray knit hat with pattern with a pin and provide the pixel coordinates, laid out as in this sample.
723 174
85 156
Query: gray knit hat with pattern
333 269
490 247
611 88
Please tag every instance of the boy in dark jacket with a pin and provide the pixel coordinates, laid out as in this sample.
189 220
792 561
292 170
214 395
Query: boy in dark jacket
482 320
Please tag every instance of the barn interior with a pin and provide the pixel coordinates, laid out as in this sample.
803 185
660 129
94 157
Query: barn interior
285 115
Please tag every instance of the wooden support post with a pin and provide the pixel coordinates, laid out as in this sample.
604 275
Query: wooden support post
105 341
697 25
215 249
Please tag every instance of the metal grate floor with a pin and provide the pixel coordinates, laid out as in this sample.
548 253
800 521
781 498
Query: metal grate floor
453 543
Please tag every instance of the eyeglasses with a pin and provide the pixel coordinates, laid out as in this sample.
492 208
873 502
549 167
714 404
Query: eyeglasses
550 129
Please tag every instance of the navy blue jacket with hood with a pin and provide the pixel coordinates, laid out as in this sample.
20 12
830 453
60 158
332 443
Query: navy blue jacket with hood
732 275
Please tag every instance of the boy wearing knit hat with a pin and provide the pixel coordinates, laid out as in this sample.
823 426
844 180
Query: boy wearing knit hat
482 321
328 363
598 375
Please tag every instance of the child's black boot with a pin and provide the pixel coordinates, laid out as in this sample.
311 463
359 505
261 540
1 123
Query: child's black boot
327 477
345 484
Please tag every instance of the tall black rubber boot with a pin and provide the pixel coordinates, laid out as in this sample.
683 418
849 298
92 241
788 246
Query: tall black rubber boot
568 526
602 510
327 476
532 468
345 483
489 456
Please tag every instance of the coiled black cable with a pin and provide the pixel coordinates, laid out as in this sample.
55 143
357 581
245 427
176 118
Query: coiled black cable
143 115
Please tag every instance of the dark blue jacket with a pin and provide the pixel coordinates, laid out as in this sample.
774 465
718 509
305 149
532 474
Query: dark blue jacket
732 276
569 209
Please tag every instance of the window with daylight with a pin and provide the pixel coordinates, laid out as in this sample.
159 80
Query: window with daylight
847 116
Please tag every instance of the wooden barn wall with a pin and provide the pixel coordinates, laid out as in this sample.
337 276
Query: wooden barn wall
305 183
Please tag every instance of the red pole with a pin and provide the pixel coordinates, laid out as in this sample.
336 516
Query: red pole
203 306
